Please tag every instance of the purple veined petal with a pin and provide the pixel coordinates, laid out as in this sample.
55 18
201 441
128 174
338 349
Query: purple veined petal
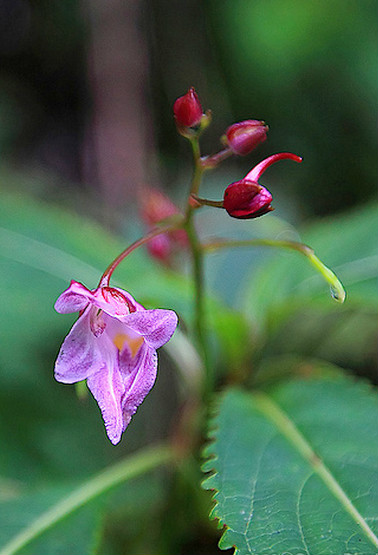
138 374
82 354
73 299
107 388
156 326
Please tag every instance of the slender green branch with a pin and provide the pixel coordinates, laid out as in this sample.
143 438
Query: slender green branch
210 162
131 467
197 256
194 142
337 289
207 202
200 318
198 169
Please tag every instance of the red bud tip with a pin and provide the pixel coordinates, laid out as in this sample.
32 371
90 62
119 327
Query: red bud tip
188 110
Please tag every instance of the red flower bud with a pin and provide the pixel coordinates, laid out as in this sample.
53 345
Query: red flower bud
244 136
246 198
160 247
155 206
188 109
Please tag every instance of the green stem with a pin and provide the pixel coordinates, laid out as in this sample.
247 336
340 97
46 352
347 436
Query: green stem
200 318
337 289
207 202
131 467
210 162
197 256
197 174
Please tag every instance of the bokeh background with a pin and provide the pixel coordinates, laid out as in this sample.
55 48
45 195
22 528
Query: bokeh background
86 92
86 95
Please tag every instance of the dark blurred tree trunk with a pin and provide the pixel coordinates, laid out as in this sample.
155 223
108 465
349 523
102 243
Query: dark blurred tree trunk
120 127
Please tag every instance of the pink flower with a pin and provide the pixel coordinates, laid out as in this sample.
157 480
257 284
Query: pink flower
113 346
246 135
188 110
247 198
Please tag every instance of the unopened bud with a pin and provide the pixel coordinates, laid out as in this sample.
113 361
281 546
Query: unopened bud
244 136
247 199
188 110
156 207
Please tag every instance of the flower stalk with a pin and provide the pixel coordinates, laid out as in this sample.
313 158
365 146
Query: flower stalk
197 258
105 278
336 287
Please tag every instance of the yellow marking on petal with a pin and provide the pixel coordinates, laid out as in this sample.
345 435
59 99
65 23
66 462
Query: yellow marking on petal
119 340
134 343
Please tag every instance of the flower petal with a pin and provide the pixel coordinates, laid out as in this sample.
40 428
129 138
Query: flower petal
114 301
156 326
73 299
107 388
82 354
139 374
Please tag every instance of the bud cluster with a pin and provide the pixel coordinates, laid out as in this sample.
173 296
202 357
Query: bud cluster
244 199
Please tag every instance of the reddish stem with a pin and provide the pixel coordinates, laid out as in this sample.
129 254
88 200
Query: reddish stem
105 278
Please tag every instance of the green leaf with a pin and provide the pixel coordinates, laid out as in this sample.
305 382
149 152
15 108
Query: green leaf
59 520
295 468
77 534
347 337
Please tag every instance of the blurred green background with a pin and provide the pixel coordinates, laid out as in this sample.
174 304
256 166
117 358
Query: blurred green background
86 94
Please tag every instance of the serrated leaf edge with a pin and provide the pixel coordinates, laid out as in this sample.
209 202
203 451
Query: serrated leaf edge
210 470
304 448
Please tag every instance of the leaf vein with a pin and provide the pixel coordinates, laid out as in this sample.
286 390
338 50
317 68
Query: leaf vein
289 430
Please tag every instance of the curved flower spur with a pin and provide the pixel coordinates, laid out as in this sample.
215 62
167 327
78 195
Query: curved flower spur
113 346
246 198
